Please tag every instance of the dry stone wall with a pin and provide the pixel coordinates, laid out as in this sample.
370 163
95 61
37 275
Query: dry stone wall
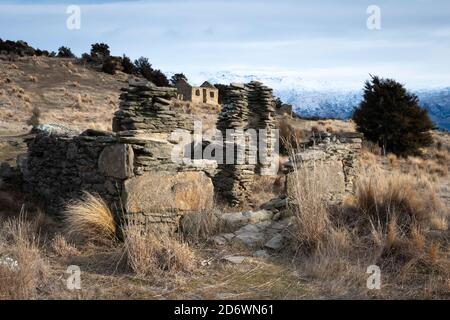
131 168
58 167
337 158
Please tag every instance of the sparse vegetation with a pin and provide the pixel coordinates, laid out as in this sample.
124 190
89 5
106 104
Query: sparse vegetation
385 223
177 77
22 267
34 120
109 66
291 137
150 253
127 65
200 226
100 51
312 221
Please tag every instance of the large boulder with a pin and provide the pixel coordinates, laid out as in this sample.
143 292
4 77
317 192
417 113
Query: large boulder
159 192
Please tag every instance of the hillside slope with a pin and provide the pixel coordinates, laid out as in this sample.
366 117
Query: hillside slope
64 91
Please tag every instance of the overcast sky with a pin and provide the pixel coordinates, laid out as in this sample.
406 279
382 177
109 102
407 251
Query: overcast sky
320 39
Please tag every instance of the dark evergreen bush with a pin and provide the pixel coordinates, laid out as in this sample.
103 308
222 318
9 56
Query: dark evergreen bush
390 116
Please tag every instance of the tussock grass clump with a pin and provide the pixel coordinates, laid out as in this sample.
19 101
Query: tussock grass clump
199 226
61 247
410 200
150 254
89 219
22 268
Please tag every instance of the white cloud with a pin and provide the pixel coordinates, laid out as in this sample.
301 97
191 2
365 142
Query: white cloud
317 39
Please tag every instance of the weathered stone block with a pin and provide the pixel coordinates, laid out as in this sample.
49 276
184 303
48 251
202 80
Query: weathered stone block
168 192
116 161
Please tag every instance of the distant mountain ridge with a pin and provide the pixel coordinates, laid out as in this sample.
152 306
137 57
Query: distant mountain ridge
327 99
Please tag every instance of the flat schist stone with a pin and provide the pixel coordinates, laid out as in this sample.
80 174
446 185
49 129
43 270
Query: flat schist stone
116 161
165 191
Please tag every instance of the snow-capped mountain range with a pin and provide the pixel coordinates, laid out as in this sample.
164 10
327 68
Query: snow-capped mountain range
327 99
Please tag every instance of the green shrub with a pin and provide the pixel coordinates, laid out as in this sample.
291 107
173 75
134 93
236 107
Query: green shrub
390 116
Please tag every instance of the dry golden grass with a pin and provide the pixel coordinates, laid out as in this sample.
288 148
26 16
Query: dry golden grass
290 136
266 188
381 196
22 268
150 254
312 223
385 223
200 226
61 247
56 93
89 219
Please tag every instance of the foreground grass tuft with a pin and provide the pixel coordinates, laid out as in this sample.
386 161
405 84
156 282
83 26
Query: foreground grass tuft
89 220
22 268
150 254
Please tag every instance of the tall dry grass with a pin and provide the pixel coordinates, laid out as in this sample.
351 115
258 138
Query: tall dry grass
290 136
89 219
312 222
152 254
411 201
385 222
197 227
22 267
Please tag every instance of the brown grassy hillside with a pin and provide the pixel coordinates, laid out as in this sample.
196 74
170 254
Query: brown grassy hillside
64 91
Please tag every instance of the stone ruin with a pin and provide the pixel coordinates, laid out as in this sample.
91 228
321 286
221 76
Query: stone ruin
132 169
249 106
336 155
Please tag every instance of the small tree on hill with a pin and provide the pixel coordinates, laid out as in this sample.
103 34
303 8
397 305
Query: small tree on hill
144 68
109 66
177 77
391 117
65 52
100 51
127 65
